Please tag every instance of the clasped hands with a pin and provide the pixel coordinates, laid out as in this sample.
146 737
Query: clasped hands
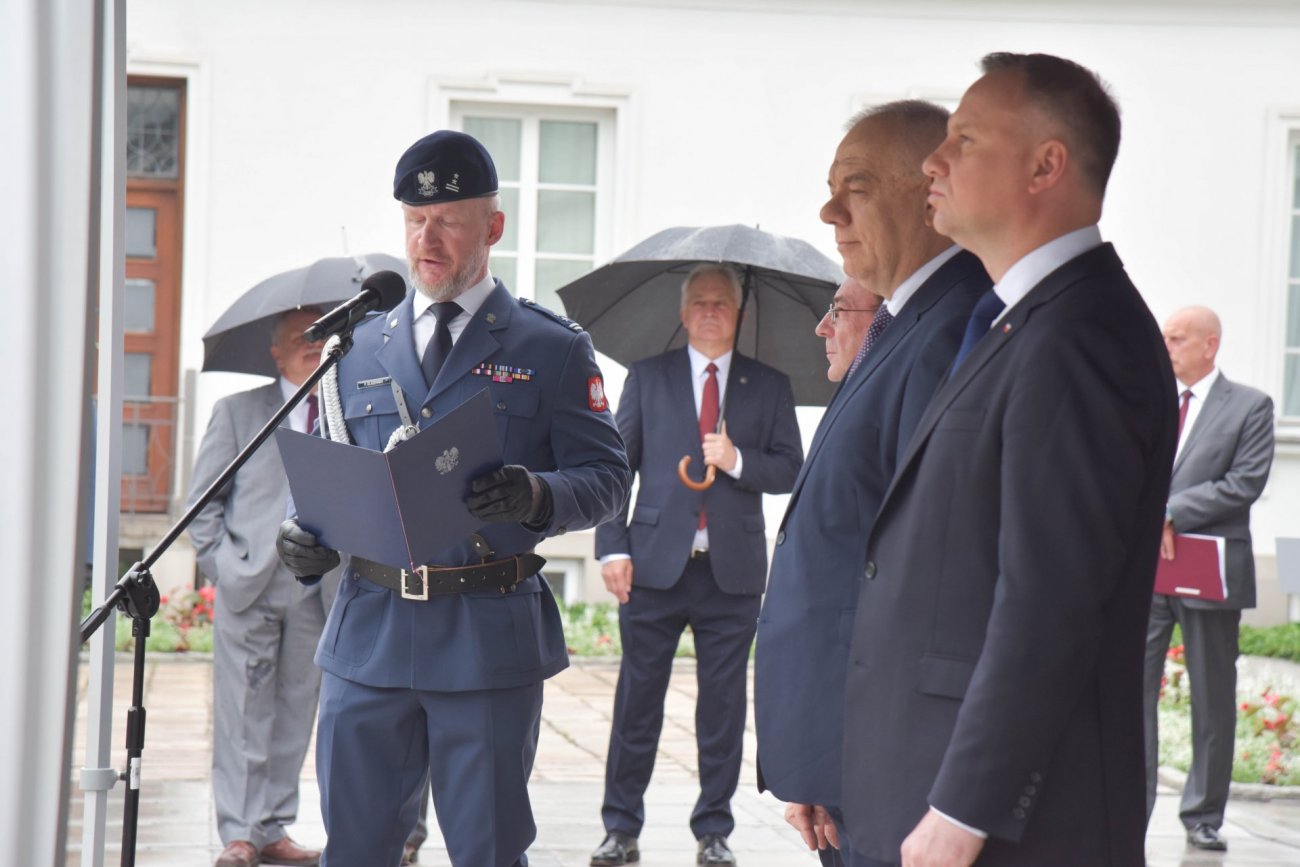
509 493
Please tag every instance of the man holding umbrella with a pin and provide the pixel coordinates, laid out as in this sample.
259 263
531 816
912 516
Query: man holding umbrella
692 558
266 625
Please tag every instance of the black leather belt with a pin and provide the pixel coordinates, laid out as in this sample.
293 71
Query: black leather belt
503 575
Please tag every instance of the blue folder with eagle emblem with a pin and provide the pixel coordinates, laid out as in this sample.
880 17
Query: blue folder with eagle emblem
397 507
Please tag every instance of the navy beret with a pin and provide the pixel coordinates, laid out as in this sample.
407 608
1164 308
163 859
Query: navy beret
445 166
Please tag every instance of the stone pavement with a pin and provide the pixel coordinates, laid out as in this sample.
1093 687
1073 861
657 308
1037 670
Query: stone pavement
177 828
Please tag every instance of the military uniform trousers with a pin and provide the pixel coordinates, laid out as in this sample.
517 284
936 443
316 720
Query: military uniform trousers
477 748
265 687
651 625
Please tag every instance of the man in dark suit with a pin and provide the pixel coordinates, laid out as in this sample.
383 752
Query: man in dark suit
994 691
438 675
265 624
1225 452
690 558
878 208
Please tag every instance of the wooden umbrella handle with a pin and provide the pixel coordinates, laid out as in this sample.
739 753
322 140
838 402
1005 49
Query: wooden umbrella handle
709 474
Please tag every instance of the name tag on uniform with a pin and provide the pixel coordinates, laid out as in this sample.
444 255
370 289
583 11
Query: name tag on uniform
374 383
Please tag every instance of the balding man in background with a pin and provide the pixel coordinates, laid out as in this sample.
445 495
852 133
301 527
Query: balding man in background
1225 451
927 287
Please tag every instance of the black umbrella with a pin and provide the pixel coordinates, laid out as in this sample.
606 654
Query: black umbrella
240 340
631 306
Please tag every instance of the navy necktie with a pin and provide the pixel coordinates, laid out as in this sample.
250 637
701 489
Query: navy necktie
440 343
878 325
986 310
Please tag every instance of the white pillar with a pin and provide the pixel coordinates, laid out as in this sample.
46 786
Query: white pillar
46 97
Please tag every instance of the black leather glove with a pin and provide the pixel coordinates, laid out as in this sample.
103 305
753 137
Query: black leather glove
300 553
510 493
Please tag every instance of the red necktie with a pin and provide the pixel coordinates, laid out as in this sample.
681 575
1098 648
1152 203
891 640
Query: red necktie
708 417
1182 410
311 412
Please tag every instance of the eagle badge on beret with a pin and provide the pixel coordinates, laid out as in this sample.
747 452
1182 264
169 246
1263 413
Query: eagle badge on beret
426 183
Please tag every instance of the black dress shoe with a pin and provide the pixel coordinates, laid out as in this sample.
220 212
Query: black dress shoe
618 848
714 850
1206 837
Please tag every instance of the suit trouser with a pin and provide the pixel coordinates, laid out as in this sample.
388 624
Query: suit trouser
377 746
651 624
1210 647
265 687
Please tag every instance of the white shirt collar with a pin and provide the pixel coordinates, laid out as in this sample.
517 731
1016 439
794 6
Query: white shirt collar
700 363
908 287
1030 270
470 300
1202 387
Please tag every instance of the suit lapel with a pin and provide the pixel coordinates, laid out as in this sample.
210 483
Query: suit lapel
396 354
683 401
1091 262
1214 403
926 296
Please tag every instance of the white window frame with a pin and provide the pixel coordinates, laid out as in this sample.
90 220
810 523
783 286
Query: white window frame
1279 186
534 97
573 569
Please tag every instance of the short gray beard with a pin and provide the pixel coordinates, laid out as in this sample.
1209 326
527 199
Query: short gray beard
455 283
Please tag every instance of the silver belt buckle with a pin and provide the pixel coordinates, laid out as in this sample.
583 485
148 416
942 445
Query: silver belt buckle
423 595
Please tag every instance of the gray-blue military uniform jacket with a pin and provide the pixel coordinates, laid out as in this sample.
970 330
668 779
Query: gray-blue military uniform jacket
552 419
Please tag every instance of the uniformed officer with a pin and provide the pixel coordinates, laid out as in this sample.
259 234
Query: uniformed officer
452 683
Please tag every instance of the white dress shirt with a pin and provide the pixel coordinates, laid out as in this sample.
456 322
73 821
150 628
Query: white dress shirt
423 322
297 415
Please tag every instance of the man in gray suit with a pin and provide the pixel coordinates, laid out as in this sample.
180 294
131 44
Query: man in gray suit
266 624
1225 450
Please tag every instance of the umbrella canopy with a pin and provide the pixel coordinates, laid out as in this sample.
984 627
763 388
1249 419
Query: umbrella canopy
631 306
240 340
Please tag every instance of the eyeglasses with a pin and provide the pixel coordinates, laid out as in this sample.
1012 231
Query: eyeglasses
834 312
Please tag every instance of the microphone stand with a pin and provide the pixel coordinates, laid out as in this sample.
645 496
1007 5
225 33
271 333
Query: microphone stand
137 595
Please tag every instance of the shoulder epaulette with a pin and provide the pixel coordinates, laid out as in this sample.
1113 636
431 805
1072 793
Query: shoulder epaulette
568 323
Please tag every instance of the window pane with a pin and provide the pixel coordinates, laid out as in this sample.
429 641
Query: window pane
1295 202
568 153
1291 387
1295 247
135 449
138 315
504 269
141 232
551 275
137 369
566 222
510 207
1293 317
153 131
501 137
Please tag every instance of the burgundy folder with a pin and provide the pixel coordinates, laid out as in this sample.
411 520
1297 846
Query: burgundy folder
1196 570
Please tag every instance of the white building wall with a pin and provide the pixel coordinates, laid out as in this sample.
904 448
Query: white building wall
729 113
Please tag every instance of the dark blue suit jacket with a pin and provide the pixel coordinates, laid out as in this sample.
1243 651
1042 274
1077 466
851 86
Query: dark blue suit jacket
657 418
803 632
480 640
995 670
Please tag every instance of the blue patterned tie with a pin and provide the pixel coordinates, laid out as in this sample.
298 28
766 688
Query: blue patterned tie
986 310
878 324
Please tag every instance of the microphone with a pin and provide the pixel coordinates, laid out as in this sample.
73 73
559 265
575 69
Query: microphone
382 290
